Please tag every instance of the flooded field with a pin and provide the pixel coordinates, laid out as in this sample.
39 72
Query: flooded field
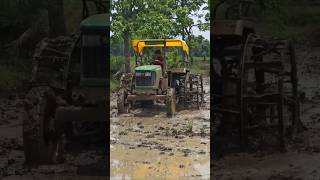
145 144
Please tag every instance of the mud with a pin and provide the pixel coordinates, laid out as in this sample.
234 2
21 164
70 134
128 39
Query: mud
145 144
301 160
83 162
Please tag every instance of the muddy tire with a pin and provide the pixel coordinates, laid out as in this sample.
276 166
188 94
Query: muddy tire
171 102
42 144
123 106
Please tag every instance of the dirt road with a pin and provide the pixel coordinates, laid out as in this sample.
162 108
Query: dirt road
145 144
302 160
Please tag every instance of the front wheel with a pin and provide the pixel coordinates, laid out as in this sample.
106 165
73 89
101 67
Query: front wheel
171 102
42 144
122 104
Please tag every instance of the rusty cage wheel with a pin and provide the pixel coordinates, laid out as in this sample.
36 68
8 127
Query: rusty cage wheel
269 101
191 92
42 144
258 98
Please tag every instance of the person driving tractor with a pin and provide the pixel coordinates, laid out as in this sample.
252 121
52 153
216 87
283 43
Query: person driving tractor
159 60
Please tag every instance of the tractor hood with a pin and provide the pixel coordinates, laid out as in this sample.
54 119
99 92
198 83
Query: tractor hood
148 68
95 24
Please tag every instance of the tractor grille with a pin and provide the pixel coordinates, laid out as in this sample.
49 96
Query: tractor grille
145 78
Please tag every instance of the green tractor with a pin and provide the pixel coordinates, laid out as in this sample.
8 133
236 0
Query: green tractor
69 91
152 80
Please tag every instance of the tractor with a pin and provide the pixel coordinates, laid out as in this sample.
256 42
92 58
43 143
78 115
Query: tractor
255 85
152 82
68 93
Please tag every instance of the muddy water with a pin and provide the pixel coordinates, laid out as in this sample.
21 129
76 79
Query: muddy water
145 144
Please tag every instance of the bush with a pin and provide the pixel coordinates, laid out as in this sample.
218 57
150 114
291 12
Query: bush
173 59
116 63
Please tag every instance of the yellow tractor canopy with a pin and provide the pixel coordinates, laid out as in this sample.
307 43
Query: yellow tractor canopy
138 45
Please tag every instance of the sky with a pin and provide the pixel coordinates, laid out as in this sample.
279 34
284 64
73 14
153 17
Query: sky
205 34
196 30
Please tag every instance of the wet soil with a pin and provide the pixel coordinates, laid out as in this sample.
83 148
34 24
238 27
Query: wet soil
145 144
302 158
84 161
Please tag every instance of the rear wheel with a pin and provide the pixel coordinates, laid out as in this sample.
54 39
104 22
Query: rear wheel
171 102
42 143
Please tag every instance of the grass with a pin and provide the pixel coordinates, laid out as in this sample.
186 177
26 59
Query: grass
189 125
199 66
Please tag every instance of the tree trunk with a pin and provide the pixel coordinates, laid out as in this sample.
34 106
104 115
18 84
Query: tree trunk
126 51
57 25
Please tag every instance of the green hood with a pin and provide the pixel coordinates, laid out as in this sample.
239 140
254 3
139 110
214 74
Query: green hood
96 23
148 68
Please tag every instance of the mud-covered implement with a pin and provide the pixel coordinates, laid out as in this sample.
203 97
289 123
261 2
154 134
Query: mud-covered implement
68 91
255 99
152 81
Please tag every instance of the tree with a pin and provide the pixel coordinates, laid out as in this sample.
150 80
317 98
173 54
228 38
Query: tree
140 18
183 10
200 46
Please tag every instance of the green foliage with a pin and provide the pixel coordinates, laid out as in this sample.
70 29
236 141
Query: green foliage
189 125
182 11
148 19
173 59
116 46
201 66
116 63
199 46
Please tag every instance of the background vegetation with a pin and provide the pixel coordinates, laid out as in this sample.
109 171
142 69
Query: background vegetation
23 23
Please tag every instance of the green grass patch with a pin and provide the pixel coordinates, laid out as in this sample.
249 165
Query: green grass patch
201 66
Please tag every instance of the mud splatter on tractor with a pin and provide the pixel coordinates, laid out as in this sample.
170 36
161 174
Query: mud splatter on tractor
69 91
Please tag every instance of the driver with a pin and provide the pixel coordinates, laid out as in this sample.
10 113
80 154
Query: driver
159 60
